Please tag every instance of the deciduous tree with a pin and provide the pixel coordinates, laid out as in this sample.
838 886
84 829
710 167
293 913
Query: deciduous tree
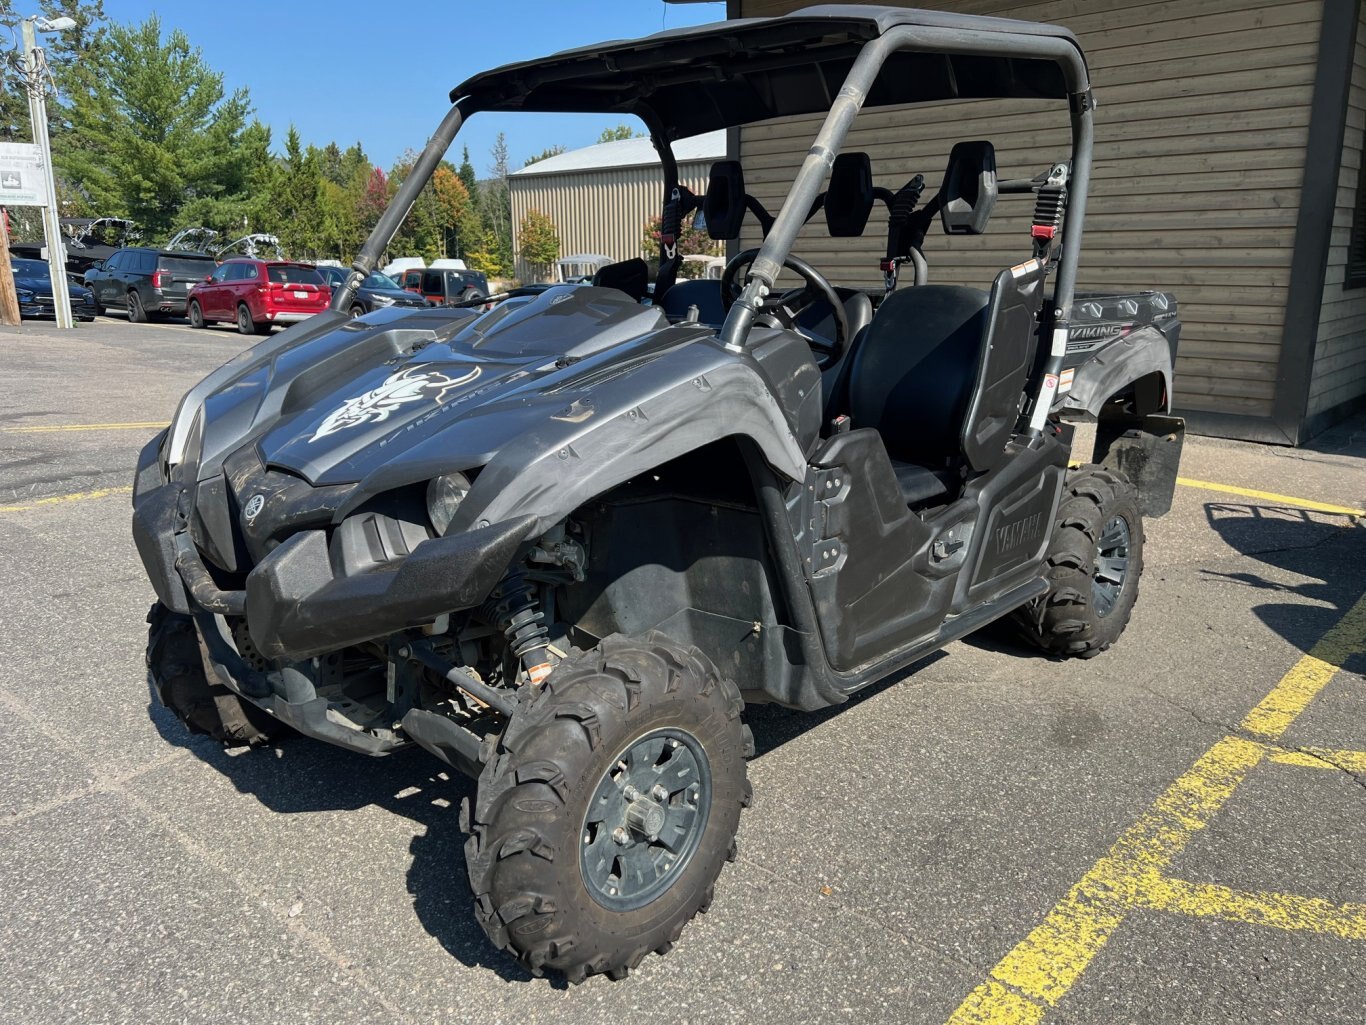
538 240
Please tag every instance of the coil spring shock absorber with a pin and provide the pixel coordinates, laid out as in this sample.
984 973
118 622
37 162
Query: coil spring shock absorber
514 609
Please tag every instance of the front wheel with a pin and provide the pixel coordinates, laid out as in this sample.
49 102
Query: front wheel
1094 562
609 808
180 683
356 311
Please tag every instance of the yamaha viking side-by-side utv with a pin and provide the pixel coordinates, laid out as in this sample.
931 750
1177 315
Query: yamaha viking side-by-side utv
560 543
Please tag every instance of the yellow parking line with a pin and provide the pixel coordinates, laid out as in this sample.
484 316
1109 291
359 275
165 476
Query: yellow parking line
1034 976
80 496
1275 910
1309 676
1322 758
1271 496
139 425
1267 496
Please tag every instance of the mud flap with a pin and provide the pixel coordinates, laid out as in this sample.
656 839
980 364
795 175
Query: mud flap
1147 450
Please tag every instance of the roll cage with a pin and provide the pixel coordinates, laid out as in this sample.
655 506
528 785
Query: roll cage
838 59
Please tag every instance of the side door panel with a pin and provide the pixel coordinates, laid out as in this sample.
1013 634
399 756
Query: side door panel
211 295
104 283
868 558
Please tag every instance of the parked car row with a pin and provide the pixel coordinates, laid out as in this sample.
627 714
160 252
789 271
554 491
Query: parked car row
252 293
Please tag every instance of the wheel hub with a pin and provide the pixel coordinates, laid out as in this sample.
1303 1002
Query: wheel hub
1112 565
645 819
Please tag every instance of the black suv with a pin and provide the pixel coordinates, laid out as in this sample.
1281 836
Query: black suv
147 282
375 293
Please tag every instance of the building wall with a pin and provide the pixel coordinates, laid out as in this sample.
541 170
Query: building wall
602 211
1339 375
1200 144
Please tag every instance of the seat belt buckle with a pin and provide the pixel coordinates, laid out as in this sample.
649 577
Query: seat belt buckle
842 424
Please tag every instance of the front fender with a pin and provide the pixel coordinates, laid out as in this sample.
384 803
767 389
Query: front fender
633 423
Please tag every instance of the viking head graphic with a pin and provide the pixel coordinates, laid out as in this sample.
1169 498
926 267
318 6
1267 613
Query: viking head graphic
407 386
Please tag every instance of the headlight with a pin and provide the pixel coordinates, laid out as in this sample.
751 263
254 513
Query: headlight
382 300
25 296
444 495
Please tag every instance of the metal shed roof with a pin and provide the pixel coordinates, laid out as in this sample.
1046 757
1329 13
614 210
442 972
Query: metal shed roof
627 153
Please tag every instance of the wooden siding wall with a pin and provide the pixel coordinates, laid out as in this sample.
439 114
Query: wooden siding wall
597 211
1200 143
1340 354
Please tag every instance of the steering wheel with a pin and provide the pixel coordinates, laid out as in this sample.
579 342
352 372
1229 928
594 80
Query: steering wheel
788 306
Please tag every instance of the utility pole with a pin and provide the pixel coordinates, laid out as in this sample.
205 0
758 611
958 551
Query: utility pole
35 70
9 299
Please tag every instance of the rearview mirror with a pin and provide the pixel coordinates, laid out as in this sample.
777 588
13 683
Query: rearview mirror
969 190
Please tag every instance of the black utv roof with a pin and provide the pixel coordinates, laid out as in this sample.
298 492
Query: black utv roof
699 79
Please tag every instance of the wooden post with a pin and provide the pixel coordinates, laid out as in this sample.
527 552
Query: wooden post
9 302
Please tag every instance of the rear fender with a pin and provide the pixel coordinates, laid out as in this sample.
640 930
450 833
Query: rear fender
1127 388
1138 356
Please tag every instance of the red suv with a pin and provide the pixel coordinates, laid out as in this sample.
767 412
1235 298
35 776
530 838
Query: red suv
257 294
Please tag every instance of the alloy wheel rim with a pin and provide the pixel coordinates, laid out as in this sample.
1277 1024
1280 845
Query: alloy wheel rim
645 819
1112 565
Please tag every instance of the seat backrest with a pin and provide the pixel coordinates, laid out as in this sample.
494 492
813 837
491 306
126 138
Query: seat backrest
629 276
912 372
1007 358
700 292
941 370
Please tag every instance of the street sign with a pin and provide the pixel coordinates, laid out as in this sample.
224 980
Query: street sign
23 175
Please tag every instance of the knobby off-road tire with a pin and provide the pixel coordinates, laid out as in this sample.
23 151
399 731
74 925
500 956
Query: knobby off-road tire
536 848
1094 563
181 685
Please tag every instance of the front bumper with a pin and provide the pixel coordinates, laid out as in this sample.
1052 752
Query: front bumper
45 306
297 604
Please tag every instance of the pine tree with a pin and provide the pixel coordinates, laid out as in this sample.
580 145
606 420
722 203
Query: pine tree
152 130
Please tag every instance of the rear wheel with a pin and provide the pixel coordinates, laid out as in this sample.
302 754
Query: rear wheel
1095 560
196 314
178 678
608 808
245 324
136 313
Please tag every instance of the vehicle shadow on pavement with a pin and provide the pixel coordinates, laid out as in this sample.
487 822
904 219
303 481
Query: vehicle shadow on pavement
1328 552
300 775
773 725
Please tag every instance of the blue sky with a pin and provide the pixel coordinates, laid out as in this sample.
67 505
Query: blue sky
351 71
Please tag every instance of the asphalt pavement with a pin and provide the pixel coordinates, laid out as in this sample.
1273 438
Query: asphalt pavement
1172 832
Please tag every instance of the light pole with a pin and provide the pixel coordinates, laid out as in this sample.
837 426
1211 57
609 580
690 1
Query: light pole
35 73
